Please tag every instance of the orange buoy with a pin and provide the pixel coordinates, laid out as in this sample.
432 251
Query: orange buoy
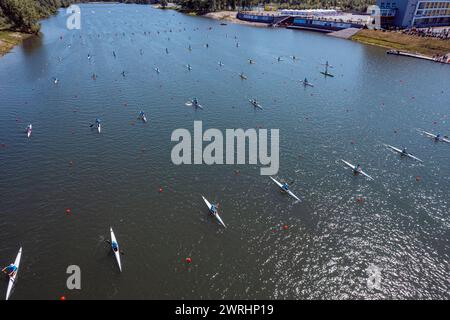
188 260
285 227
68 211
160 189
62 298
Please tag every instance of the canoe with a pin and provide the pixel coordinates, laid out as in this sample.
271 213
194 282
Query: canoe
215 214
353 167
284 190
401 152
116 253
12 280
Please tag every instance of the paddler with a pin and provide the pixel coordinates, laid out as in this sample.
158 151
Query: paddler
115 247
10 270
97 122
195 101
213 209
305 81
438 137
141 115
404 152
285 187
357 168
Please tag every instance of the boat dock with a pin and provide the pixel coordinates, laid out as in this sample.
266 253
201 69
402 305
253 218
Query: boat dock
419 56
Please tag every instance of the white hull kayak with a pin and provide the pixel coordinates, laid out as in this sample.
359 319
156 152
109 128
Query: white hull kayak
289 192
144 118
99 128
306 83
29 130
401 152
116 253
353 167
430 135
12 280
214 214
255 104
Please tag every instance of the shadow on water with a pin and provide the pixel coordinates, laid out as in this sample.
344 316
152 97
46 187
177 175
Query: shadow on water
32 44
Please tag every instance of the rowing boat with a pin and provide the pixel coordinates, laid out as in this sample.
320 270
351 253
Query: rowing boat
357 172
287 191
401 152
12 280
29 129
215 214
255 104
434 136
116 253
243 76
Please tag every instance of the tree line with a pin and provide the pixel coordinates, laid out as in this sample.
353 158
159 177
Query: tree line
24 15
204 6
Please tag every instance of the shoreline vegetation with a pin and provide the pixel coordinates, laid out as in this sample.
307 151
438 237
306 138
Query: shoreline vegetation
395 40
9 39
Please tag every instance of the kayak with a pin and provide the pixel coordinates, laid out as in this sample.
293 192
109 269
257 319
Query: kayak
99 128
116 253
326 74
216 214
157 70
255 104
287 191
29 129
12 280
353 167
243 77
434 136
401 152
306 83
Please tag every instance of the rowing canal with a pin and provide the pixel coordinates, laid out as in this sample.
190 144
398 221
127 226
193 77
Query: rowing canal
349 238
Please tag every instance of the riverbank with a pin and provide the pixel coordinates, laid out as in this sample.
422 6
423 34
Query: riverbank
230 16
9 39
403 42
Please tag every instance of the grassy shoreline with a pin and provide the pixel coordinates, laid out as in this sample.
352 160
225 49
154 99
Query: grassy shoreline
9 39
403 42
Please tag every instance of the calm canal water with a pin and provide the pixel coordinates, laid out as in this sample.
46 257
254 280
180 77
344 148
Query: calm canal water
345 228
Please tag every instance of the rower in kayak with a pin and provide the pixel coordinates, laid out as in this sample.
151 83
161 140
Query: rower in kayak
10 270
404 152
438 137
195 102
213 209
357 169
285 187
142 116
29 130
98 124
115 246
